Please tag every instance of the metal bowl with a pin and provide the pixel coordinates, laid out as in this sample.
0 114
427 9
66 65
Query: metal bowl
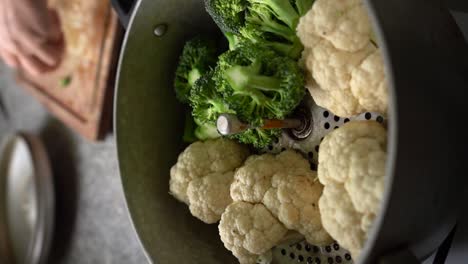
26 201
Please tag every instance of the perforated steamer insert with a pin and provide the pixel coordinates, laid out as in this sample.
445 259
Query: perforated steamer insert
317 123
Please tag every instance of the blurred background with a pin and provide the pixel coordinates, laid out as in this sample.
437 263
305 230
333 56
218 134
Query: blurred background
70 110
92 223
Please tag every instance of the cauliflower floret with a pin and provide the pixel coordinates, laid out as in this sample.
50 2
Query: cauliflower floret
332 67
341 220
249 230
352 169
365 184
294 200
253 180
332 70
339 101
339 147
306 32
368 83
209 196
344 23
345 69
203 158
288 187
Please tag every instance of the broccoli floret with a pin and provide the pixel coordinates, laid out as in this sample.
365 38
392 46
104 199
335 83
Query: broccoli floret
259 138
287 11
198 56
206 101
274 22
287 44
229 15
261 18
282 10
207 104
259 84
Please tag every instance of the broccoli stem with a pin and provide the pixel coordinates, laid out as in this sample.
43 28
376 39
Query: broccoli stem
232 39
291 50
264 83
193 76
220 106
206 131
243 79
284 32
283 9
267 24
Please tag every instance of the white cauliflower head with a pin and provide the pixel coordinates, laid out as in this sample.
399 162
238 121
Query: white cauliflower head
209 196
294 200
249 230
344 23
203 175
253 180
345 69
352 168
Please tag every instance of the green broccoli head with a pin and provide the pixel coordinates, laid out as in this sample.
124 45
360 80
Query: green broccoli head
206 101
198 56
229 15
259 84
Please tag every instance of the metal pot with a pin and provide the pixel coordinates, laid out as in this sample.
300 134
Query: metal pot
426 61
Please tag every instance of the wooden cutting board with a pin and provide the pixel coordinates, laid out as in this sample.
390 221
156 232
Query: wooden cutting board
80 91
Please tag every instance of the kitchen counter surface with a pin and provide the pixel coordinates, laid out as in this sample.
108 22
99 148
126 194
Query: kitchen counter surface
92 223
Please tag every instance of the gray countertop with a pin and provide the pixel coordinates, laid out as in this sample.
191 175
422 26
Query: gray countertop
92 223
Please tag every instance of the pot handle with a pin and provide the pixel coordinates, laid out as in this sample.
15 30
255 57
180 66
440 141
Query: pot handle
124 9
